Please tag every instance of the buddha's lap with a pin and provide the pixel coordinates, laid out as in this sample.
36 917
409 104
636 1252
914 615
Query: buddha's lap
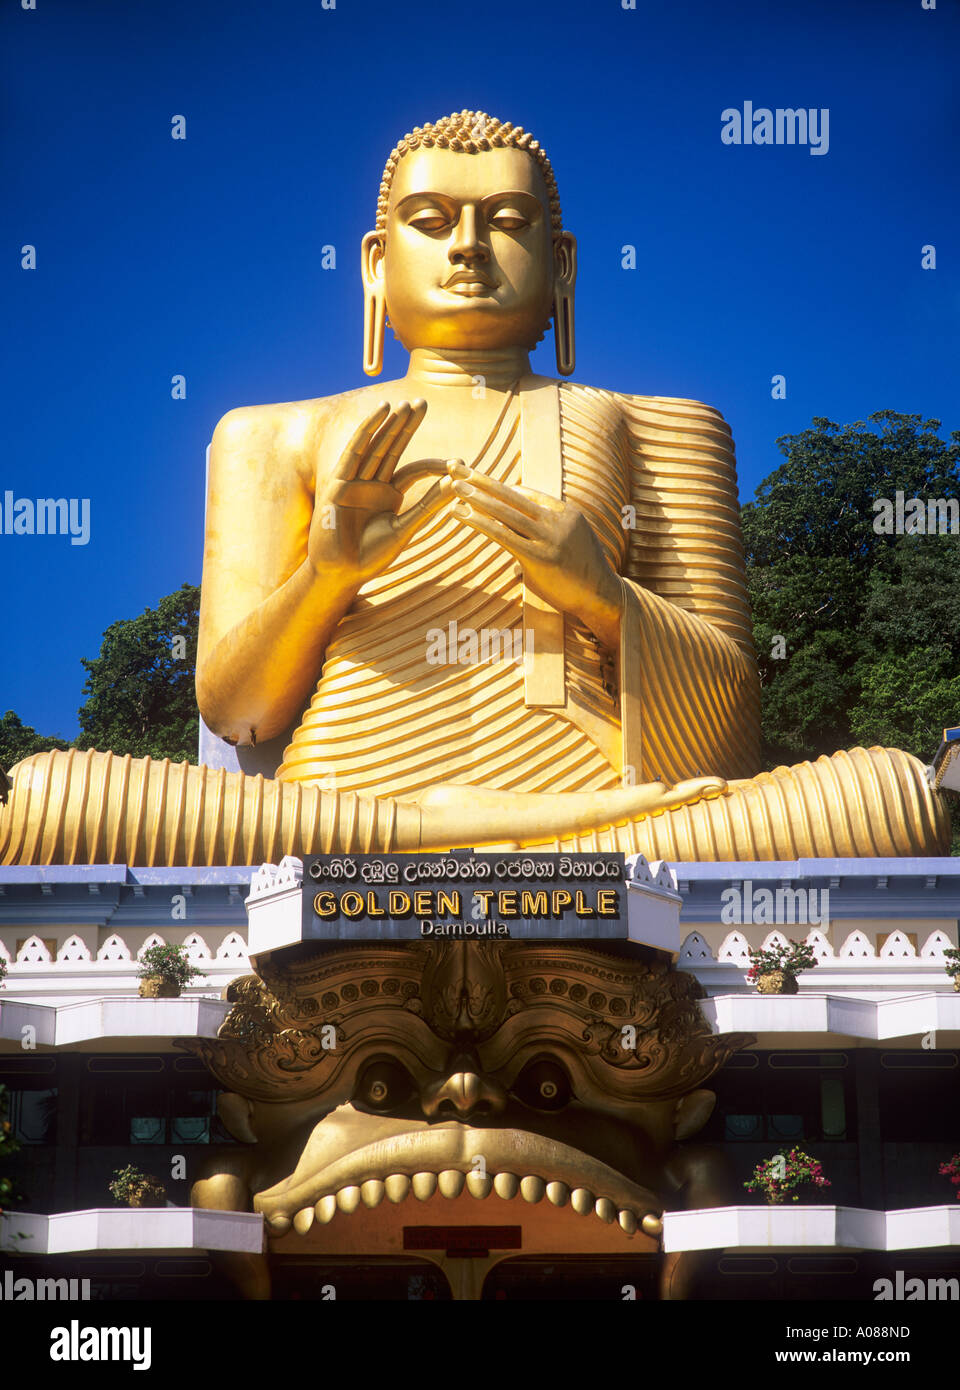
69 807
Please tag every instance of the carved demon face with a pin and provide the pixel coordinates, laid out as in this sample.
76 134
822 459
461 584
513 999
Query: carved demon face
558 1073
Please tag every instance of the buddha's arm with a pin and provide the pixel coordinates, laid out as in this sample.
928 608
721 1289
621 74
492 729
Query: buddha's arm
691 695
265 615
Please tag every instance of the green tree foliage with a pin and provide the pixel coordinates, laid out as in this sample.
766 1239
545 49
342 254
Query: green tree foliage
18 740
870 622
139 691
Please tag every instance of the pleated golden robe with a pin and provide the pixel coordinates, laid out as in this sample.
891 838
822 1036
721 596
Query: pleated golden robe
403 701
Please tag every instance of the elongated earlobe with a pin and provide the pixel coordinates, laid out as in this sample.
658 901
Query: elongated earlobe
563 290
374 302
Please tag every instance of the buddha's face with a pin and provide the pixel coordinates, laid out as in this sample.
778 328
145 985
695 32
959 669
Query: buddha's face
468 256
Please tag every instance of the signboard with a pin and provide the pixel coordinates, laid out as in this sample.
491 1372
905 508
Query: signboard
476 897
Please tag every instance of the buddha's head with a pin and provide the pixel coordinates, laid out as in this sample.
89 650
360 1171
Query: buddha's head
469 251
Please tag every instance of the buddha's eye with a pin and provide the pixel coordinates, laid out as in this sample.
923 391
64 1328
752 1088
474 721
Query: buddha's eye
543 1085
384 1085
508 220
429 220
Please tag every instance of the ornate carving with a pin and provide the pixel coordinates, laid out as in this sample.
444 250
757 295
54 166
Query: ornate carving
629 1031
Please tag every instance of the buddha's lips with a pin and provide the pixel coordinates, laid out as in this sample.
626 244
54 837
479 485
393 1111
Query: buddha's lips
454 1148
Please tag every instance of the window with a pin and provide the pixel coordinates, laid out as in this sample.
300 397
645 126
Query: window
164 1109
918 1097
786 1099
33 1115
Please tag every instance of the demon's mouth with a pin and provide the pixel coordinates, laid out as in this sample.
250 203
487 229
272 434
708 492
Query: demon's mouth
355 1159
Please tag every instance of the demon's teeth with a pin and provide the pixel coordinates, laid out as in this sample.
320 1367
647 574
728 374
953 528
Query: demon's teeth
605 1209
397 1186
303 1221
326 1209
582 1200
424 1185
451 1182
532 1189
479 1184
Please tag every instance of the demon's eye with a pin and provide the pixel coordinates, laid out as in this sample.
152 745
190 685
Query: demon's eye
383 1086
543 1085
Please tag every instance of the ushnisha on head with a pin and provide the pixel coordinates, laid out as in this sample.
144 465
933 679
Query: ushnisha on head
469 249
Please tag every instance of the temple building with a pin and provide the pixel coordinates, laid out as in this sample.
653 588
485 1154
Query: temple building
859 1069
490 898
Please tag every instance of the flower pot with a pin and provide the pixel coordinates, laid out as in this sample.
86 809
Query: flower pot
777 982
956 984
158 987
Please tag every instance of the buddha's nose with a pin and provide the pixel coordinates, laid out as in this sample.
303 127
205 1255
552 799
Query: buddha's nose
464 1091
466 245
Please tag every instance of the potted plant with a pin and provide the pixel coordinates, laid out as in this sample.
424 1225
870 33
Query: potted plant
952 966
951 1170
3 971
776 971
164 970
136 1188
783 1175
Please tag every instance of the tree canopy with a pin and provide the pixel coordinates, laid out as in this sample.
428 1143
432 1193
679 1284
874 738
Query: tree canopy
139 691
857 631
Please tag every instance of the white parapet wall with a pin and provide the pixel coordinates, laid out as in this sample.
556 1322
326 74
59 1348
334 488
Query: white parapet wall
117 1229
60 1025
795 1226
908 1016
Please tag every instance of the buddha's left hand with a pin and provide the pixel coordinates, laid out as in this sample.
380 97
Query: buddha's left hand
560 556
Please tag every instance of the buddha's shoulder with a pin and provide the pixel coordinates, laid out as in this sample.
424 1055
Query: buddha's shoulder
654 412
292 423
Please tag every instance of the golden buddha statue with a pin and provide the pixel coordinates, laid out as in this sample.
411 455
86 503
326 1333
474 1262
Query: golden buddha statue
493 608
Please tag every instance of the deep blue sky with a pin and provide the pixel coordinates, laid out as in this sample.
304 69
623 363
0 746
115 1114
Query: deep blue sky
201 256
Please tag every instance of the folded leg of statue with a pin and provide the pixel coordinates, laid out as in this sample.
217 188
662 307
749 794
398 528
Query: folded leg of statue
98 808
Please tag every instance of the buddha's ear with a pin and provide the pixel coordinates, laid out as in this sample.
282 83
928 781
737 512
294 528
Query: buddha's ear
565 261
564 280
372 251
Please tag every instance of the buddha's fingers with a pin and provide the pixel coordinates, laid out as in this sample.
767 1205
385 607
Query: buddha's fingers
681 794
386 449
410 521
355 451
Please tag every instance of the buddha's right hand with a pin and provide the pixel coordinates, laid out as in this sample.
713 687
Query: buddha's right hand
356 530
457 814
